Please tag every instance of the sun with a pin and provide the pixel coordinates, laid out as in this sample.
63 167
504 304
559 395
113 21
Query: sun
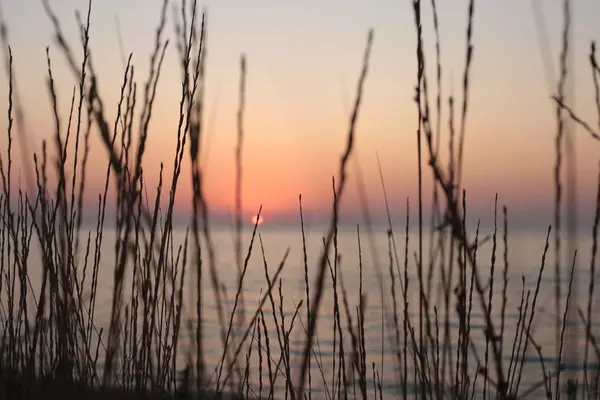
257 220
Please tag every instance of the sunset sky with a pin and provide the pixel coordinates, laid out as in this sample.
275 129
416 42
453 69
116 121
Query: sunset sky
304 59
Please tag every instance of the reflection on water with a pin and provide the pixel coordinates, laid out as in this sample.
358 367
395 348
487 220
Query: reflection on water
525 254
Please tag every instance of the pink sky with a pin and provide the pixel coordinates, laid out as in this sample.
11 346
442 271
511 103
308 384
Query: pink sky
303 63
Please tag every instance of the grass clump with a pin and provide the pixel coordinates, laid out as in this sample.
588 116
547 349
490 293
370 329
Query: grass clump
52 345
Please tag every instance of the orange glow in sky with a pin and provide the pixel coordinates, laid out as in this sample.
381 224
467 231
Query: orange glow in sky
299 96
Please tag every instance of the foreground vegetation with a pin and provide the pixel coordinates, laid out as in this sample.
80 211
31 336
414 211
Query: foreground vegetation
51 342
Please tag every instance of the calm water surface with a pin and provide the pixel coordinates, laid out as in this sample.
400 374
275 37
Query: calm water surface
525 256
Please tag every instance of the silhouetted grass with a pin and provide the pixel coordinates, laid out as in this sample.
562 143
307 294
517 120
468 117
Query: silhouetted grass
52 346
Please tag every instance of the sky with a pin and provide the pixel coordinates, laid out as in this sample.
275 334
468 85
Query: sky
303 62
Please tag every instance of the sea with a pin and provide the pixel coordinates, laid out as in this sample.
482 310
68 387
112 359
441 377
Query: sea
364 257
